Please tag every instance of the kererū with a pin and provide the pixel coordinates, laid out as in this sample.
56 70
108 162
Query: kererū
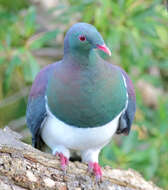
78 103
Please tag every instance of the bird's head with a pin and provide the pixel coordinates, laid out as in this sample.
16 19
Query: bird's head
83 37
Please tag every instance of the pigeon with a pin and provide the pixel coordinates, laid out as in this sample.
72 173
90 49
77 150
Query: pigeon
77 104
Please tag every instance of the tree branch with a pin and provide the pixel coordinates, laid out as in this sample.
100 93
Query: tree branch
23 167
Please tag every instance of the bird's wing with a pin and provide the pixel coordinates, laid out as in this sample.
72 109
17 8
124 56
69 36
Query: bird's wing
127 116
36 110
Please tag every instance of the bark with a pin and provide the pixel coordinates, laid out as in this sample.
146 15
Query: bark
23 167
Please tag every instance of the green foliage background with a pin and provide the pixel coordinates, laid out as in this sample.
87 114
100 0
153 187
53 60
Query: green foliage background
137 33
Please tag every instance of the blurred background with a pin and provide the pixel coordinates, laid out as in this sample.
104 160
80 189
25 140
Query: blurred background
31 36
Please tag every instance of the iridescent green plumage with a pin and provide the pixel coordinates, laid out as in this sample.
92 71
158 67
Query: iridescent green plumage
86 93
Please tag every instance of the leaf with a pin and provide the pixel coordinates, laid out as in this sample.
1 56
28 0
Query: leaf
30 68
41 40
29 22
154 161
129 143
2 60
15 61
162 33
133 45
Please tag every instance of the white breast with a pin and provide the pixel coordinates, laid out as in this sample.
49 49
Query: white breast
55 132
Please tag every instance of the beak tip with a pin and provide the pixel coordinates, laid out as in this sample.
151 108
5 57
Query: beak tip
104 48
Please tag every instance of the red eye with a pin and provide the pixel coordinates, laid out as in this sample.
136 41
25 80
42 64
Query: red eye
82 38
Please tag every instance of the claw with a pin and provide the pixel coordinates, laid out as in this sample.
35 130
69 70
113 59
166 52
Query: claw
95 168
64 161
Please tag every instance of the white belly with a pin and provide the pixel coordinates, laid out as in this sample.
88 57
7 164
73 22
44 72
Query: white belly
55 132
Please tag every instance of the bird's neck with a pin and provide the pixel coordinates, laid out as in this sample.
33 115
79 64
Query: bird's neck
83 59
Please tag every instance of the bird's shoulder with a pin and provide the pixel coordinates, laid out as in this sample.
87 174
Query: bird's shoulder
41 80
126 78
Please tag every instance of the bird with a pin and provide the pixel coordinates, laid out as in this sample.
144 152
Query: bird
77 104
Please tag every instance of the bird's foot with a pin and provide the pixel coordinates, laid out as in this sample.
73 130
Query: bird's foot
64 161
95 168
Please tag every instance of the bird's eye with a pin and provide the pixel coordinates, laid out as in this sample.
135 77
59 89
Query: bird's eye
82 38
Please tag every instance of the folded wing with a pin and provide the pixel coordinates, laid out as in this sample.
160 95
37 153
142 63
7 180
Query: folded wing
127 116
36 108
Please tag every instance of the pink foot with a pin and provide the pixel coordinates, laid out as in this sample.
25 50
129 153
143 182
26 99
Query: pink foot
64 161
95 168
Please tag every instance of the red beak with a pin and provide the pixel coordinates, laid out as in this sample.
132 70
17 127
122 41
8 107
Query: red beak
104 48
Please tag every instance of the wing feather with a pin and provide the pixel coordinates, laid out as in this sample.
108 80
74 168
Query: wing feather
36 107
127 116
